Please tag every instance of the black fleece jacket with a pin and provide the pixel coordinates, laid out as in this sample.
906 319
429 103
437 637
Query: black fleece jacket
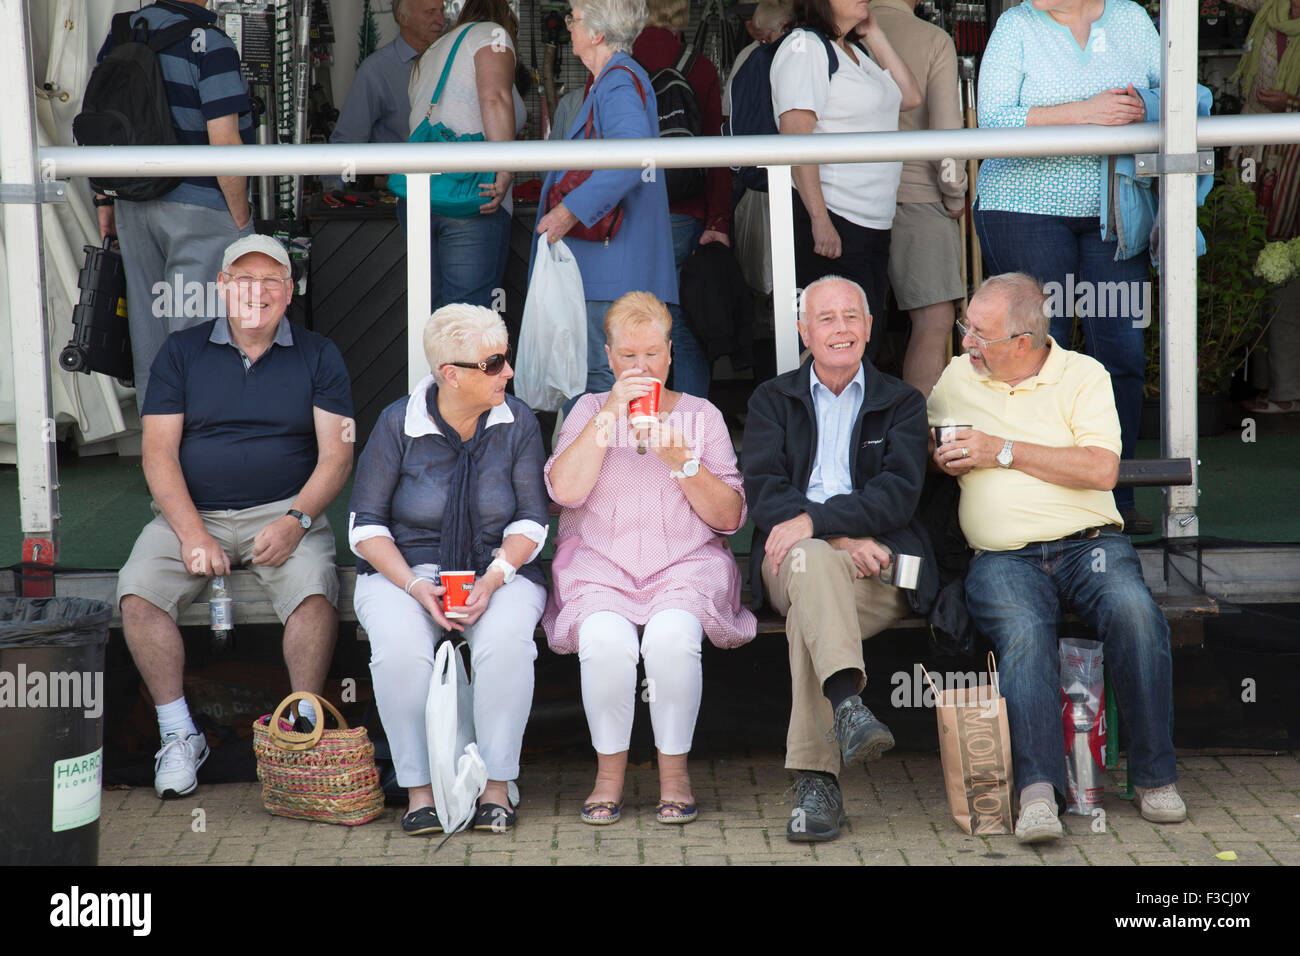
887 467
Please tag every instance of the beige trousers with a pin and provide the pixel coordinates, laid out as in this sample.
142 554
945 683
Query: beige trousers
829 612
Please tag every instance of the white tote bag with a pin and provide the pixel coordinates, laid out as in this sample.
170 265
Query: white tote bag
458 773
551 363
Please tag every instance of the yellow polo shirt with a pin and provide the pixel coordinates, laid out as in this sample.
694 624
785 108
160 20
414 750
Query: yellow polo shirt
1068 403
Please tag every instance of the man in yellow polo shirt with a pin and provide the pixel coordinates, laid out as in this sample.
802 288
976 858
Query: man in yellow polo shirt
1036 465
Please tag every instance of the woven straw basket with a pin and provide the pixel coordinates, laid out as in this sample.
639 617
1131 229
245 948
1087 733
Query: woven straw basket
327 775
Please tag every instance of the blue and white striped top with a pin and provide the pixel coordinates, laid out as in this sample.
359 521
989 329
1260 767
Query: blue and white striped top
202 84
1032 60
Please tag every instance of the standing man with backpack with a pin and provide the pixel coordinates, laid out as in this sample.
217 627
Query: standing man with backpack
173 232
699 200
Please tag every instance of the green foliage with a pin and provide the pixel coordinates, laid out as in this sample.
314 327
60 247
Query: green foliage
1233 309
367 34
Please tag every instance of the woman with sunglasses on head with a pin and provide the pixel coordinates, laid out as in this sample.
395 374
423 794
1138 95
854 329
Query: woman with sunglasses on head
451 478
642 545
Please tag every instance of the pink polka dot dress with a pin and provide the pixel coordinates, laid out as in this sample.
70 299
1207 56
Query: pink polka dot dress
635 546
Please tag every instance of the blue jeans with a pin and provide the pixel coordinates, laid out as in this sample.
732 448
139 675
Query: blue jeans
1015 599
467 257
691 366
600 378
1069 250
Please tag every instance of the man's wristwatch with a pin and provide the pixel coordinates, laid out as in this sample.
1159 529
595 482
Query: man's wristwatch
302 519
102 201
1004 456
690 468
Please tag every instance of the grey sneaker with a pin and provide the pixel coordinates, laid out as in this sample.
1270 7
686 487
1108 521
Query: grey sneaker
859 733
1160 804
818 811
1038 823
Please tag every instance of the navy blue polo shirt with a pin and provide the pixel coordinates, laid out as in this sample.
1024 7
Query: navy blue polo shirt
249 435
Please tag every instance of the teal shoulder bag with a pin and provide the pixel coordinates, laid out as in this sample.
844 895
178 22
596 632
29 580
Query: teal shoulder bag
455 195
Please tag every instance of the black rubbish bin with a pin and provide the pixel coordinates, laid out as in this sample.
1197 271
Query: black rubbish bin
51 729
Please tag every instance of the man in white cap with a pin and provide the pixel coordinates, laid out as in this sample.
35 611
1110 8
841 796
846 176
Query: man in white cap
247 439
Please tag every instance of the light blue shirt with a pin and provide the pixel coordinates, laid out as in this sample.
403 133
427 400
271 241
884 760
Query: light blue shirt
378 109
836 415
1032 60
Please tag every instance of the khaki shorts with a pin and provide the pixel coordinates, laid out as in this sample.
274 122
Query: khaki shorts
155 571
924 256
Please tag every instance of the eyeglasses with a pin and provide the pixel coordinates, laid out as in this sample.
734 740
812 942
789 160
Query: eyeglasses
279 283
983 342
570 20
492 365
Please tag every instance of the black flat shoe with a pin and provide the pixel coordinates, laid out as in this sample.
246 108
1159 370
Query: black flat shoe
494 817
421 822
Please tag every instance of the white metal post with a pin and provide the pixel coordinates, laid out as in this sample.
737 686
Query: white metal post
784 306
1178 34
418 304
37 469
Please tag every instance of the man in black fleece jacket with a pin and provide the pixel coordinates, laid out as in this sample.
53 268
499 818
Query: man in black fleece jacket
834 458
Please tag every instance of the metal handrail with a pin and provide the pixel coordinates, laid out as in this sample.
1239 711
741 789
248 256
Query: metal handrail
60 162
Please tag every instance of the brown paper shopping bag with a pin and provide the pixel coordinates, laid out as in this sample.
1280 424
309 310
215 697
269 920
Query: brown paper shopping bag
975 750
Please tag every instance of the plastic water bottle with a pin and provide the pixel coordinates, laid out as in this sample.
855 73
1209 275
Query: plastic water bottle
221 611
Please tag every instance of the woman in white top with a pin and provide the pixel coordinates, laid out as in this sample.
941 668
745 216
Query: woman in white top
469 255
844 212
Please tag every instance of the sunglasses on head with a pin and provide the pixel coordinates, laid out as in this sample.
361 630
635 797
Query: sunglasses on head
492 365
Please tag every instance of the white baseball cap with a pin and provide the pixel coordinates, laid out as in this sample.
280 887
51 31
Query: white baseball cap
254 243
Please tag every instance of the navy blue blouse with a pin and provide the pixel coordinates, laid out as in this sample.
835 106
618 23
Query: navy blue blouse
400 490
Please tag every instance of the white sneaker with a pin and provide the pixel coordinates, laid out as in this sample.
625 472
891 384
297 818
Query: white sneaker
1038 823
176 766
1160 804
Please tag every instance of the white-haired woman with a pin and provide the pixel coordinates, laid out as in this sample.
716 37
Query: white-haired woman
642 544
451 477
620 105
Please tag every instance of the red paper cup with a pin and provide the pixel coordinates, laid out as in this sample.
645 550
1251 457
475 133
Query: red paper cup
644 411
458 585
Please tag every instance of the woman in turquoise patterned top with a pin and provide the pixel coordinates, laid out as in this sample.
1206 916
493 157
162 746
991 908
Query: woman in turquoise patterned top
1058 63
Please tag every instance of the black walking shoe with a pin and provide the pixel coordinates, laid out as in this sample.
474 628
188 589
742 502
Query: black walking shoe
818 810
859 733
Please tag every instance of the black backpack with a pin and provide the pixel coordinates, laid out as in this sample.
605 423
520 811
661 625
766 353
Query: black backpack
679 115
751 101
126 102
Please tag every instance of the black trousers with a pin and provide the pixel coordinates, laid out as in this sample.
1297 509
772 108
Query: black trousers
864 258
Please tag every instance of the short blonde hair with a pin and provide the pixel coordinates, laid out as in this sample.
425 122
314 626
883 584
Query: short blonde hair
458 332
673 14
634 310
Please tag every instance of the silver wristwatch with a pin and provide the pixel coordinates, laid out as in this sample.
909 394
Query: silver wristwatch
302 519
1004 456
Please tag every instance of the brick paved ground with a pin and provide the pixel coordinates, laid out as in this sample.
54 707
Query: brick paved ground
897 810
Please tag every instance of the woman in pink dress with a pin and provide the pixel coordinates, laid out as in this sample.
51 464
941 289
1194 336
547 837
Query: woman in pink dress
642 543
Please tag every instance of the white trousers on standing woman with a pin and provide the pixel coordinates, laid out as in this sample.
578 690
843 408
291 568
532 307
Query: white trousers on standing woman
670 646
501 650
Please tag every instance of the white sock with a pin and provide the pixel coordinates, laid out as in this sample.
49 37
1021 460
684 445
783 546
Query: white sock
174 718
1037 791
308 710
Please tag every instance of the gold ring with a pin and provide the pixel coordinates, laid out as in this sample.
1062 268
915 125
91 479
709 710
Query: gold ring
965 452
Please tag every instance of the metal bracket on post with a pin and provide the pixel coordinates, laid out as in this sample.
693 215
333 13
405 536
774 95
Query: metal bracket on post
28 193
1147 165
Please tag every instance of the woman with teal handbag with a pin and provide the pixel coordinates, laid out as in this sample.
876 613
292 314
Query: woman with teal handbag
462 89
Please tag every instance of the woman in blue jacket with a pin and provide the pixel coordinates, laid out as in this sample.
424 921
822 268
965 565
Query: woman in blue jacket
1055 63
621 105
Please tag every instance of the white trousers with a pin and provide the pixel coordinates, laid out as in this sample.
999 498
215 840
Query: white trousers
670 646
502 652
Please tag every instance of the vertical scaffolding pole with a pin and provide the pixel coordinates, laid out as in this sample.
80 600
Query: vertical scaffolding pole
784 306
1178 35
37 468
418 303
